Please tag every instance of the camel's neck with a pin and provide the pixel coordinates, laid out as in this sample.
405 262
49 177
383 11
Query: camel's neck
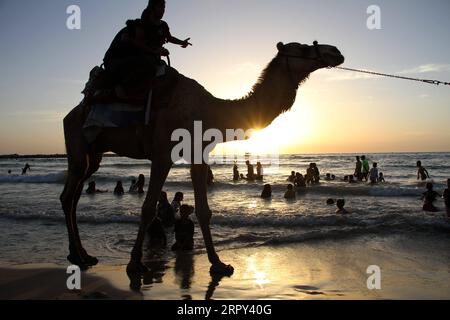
274 94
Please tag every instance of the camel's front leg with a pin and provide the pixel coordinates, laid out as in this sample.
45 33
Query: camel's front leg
160 170
199 175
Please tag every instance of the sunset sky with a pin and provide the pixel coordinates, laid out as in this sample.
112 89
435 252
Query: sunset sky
43 68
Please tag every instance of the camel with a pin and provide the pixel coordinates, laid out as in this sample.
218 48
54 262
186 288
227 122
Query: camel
273 94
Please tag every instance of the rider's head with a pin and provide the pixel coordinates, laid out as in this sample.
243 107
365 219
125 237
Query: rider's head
155 9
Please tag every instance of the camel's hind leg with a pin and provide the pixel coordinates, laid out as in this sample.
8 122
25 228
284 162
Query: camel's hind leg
199 175
78 172
160 170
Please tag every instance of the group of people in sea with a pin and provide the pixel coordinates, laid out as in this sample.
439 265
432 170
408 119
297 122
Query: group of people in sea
169 216
250 176
362 172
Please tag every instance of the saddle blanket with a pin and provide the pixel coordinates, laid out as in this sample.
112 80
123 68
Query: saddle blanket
113 115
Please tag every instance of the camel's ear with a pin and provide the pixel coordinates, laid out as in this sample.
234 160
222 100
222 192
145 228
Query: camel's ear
280 46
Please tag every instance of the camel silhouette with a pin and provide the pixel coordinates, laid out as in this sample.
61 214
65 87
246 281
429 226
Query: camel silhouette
273 94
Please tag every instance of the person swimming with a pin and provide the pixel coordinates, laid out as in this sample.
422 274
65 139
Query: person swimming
330 202
340 203
422 172
381 177
118 190
428 198
290 193
267 192
92 189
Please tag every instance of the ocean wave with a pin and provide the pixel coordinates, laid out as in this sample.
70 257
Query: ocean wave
58 177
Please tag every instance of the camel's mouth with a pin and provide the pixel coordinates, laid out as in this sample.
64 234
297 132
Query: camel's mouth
333 58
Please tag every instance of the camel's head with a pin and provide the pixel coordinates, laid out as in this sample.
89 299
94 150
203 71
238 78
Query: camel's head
302 57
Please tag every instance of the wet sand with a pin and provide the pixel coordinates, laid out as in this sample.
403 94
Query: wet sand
410 269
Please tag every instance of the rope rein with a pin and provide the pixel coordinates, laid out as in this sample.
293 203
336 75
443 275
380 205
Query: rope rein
435 82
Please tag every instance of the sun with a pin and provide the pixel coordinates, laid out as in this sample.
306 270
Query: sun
290 129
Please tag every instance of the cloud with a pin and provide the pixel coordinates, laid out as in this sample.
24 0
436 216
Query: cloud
425 68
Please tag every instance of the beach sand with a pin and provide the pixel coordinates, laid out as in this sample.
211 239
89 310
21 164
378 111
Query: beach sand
326 270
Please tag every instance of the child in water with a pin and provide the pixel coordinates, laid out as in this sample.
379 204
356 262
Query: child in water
340 203
429 197
373 173
422 172
290 193
267 192
381 177
118 190
92 189
184 230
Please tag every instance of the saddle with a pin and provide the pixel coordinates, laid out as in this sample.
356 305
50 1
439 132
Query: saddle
99 90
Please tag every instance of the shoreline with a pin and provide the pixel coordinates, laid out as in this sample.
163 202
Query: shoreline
326 270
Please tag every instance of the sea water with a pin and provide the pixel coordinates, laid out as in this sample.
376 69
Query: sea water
32 227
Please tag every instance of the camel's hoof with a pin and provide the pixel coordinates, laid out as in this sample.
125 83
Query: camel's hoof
90 260
135 271
76 260
221 269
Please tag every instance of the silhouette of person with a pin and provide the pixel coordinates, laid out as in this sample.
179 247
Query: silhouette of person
267 192
25 169
165 211
365 168
136 51
250 171
176 202
340 203
118 190
259 171
422 172
358 169
235 172
140 184
290 193
429 197
92 189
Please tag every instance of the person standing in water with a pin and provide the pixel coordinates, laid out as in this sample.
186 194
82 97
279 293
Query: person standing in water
358 169
373 174
422 172
259 171
365 168
250 171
